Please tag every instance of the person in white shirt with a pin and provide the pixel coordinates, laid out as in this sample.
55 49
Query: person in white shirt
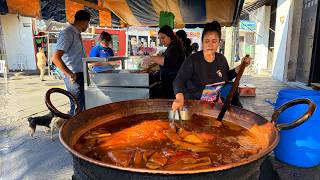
41 62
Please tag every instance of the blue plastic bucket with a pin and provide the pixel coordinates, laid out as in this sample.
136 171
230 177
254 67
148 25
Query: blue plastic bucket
299 146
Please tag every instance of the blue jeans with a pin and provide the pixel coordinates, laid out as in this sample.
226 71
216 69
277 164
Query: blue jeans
77 89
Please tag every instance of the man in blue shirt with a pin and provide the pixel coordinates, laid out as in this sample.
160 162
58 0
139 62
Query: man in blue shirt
69 54
102 50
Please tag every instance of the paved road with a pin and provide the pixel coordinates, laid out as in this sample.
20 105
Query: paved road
21 156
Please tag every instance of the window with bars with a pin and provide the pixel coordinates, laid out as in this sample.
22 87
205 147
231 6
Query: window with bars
309 3
115 42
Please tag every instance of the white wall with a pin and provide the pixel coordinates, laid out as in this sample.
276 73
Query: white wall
262 37
281 36
18 40
229 46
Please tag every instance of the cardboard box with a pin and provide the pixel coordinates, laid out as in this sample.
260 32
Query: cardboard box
247 90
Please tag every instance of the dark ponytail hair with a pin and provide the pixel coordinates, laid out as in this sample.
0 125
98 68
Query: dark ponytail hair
182 35
214 26
186 42
167 30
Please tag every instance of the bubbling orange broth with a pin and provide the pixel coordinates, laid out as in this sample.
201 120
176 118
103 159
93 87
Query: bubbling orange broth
148 141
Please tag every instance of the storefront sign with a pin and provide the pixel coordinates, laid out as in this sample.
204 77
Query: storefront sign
41 25
193 34
56 26
247 25
26 24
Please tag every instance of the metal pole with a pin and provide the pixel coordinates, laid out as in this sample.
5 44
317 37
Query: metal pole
237 40
48 59
232 46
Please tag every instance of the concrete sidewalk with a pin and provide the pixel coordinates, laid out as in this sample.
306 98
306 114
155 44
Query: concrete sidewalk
267 88
23 157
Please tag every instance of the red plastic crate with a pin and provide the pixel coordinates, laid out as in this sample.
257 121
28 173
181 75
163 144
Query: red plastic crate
247 90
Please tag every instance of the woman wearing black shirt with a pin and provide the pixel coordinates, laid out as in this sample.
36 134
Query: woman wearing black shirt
170 61
204 68
185 42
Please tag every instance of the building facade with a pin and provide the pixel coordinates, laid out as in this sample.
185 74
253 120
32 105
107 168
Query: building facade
296 57
18 44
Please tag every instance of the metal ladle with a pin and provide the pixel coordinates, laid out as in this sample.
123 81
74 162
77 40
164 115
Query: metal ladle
183 115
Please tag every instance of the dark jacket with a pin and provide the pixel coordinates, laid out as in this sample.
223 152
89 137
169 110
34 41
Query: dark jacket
196 73
173 59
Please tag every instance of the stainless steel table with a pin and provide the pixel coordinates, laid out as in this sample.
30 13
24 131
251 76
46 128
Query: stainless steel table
123 82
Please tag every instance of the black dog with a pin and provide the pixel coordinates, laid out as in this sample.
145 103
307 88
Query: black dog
40 121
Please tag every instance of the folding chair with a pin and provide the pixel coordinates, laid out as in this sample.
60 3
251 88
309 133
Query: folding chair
3 69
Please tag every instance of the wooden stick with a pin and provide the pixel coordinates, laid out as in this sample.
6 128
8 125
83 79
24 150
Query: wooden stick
235 85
